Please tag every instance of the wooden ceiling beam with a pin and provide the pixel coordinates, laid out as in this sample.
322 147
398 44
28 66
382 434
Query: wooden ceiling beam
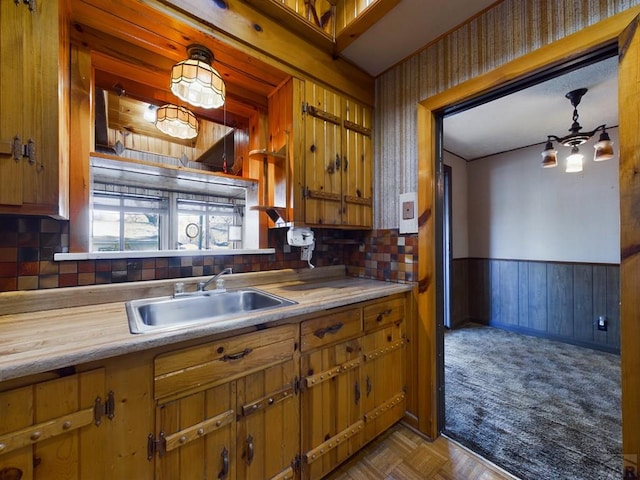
365 20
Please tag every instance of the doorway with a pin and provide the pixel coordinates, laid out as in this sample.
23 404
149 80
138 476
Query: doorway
507 195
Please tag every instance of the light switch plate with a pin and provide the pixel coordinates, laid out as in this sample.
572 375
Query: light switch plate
408 215
407 210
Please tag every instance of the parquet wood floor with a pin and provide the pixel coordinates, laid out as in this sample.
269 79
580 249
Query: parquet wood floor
401 454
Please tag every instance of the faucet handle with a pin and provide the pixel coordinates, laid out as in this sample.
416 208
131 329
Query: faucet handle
201 286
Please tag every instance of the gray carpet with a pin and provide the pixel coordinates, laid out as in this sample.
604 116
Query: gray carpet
540 409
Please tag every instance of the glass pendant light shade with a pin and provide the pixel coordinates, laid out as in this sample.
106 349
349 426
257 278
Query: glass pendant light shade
574 161
604 148
176 121
196 82
549 156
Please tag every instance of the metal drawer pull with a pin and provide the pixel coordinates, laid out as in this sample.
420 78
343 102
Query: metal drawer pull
383 314
321 332
250 450
225 464
236 356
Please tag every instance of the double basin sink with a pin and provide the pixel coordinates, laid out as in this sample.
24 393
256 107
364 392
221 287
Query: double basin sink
169 313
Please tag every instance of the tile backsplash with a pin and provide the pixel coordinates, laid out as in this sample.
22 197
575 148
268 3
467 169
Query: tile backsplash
28 244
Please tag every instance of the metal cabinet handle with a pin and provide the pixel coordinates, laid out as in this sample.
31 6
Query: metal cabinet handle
383 314
321 332
30 151
346 163
225 464
236 356
357 392
16 148
338 162
250 450
369 386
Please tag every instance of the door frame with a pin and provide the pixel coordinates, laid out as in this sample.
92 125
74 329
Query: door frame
428 112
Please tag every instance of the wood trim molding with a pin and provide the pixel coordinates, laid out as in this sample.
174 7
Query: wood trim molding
555 53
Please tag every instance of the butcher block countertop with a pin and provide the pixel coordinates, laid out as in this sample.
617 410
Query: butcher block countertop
44 330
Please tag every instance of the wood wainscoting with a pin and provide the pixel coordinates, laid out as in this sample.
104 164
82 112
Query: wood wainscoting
557 300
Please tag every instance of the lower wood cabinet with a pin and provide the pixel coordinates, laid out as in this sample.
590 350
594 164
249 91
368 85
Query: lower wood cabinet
353 386
227 409
52 429
286 402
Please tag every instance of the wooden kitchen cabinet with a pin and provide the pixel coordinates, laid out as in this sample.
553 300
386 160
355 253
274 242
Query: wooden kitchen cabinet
331 358
352 376
34 108
383 372
338 160
227 409
317 169
268 423
52 429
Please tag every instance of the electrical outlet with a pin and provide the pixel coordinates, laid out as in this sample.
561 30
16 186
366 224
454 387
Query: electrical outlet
603 323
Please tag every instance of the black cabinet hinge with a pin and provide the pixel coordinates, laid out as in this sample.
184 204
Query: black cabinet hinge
154 446
106 409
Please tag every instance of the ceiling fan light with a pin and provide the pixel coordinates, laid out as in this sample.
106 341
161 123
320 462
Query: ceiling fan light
574 161
549 156
176 121
603 149
196 82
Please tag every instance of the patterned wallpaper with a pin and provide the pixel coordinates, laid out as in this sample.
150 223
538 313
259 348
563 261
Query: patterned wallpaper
508 30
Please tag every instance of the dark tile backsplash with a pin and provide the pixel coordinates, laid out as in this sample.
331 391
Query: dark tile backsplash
28 244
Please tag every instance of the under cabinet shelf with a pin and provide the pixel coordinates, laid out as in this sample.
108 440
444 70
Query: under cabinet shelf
268 154
277 214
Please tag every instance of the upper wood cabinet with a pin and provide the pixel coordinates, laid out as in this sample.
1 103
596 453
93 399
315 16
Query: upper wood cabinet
337 159
33 108
323 176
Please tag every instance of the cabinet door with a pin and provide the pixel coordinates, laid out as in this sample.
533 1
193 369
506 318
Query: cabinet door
383 379
323 156
269 423
357 165
331 406
12 54
33 60
197 433
47 430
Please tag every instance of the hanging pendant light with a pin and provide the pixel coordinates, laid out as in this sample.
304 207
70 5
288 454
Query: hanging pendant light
176 121
574 161
603 149
196 82
549 156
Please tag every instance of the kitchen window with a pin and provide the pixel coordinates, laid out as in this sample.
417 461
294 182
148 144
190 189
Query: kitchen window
129 218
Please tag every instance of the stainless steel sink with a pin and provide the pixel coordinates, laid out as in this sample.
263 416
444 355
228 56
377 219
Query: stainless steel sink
169 313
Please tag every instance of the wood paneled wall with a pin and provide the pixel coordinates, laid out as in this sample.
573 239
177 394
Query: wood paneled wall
504 32
555 300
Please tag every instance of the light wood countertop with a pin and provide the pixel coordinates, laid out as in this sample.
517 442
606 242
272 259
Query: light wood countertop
46 330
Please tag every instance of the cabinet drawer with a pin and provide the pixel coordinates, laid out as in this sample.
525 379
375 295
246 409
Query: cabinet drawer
383 313
196 368
330 328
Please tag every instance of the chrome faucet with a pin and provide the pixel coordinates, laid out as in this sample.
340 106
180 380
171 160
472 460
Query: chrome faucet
216 278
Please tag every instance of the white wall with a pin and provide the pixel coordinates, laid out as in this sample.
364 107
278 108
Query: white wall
518 210
459 220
